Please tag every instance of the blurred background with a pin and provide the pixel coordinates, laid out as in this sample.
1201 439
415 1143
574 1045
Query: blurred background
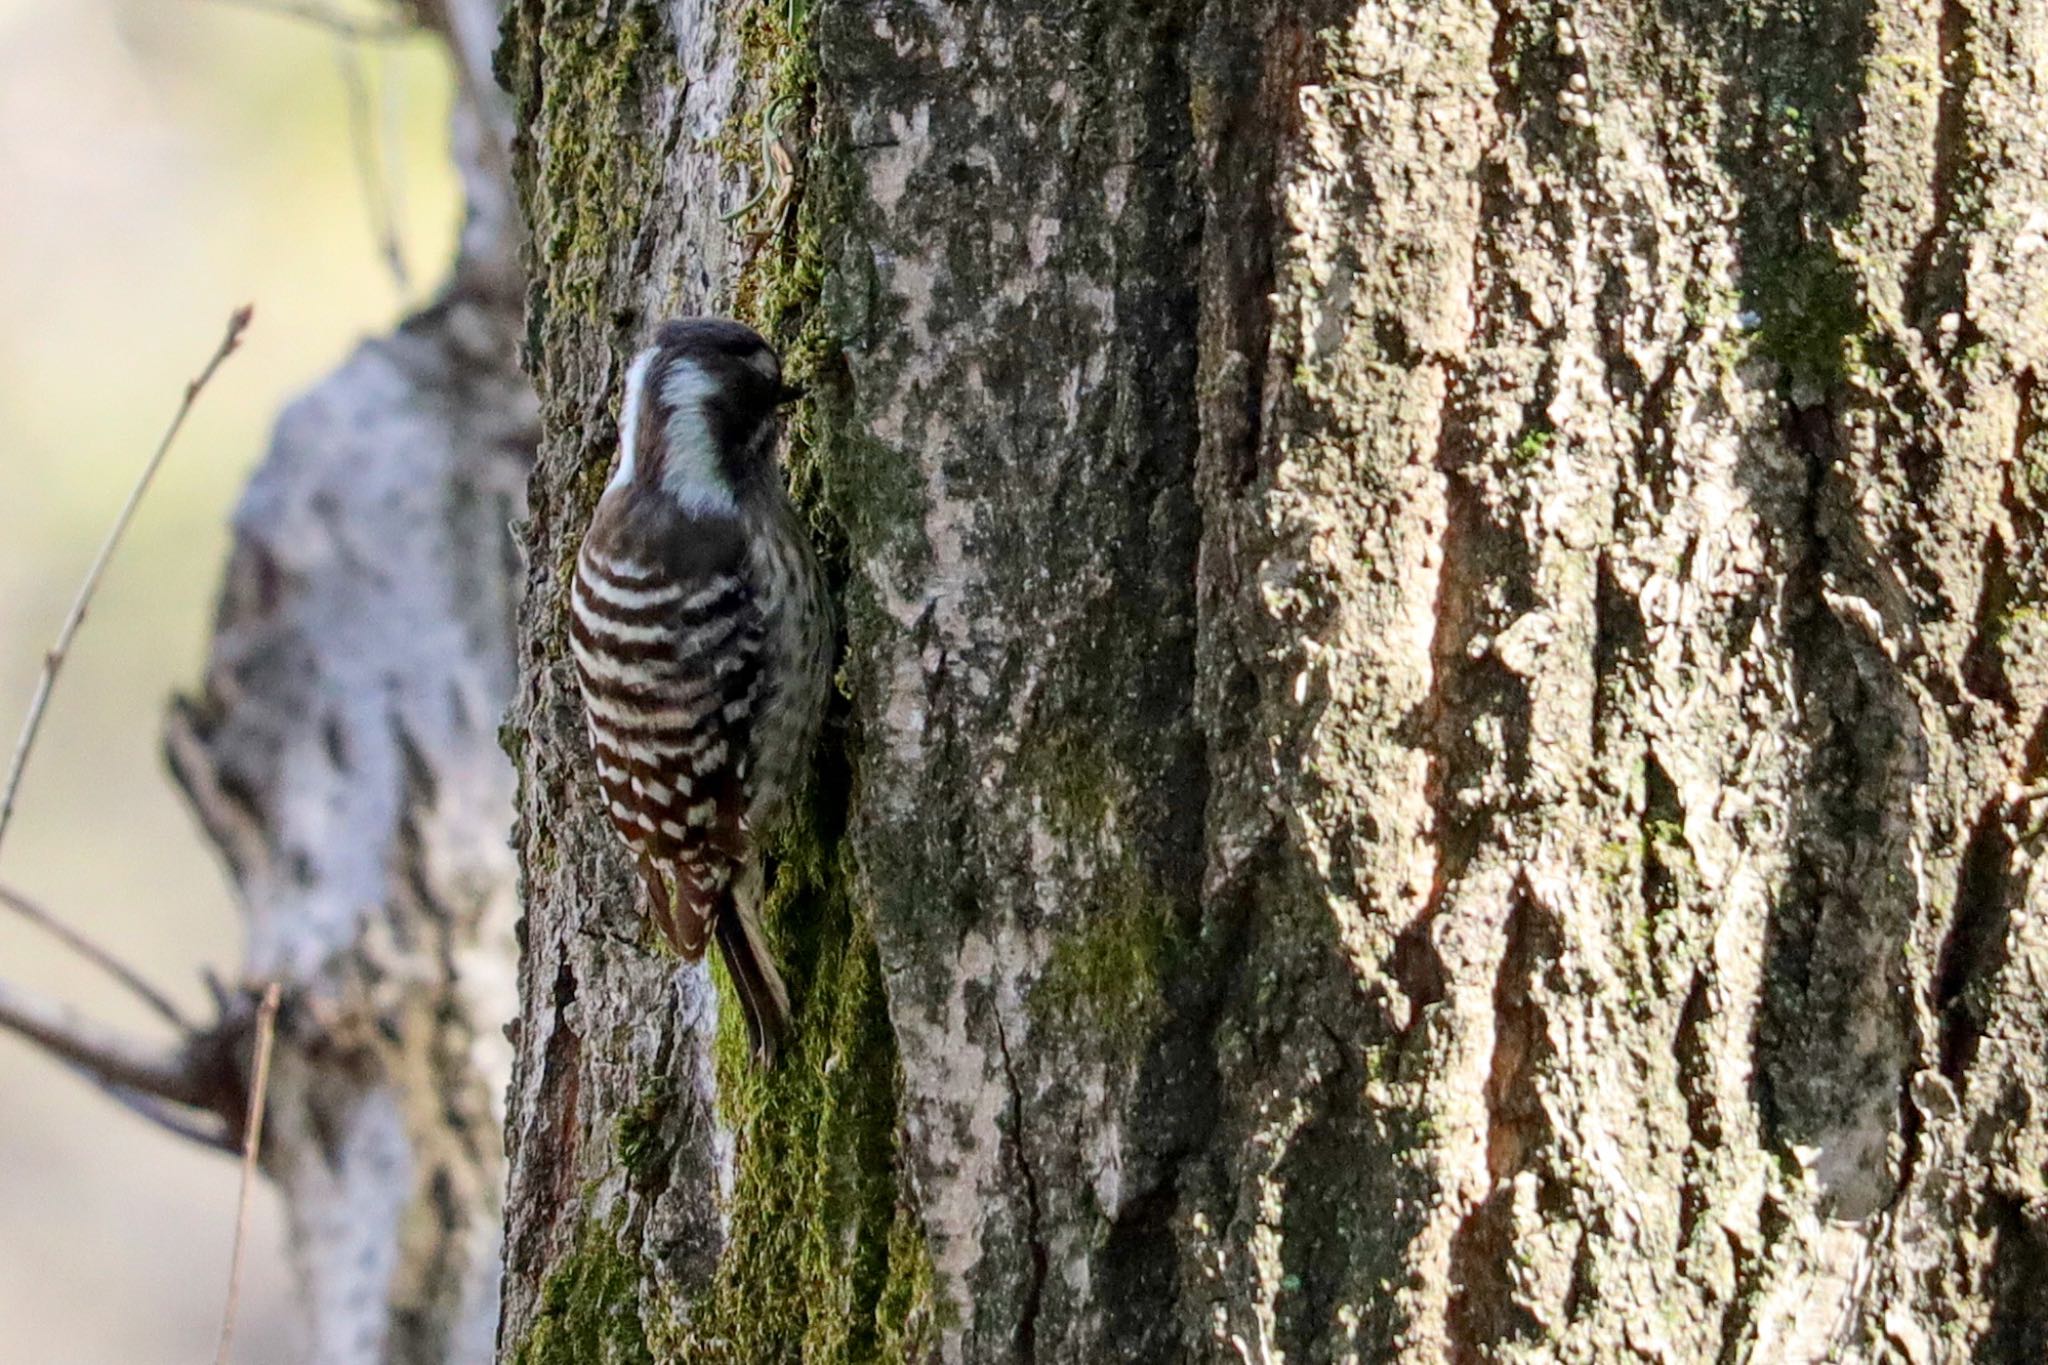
161 161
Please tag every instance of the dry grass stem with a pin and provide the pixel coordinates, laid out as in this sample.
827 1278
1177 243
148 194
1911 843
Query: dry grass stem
252 1146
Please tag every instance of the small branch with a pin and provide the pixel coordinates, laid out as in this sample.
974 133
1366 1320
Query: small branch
112 1059
362 140
54 659
266 1034
93 953
195 1090
341 25
391 163
208 1132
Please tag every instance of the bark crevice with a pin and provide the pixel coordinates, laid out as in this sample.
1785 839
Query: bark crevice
1034 1240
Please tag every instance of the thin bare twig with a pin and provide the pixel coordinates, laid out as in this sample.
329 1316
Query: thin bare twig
391 159
105 1056
93 953
211 1131
266 1034
362 141
341 25
54 659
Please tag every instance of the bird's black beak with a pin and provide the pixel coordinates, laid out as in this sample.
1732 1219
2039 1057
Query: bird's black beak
789 394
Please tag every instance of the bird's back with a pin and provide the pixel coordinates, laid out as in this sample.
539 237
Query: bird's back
668 639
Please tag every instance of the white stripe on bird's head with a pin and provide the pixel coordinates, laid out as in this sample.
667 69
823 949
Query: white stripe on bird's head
691 472
629 416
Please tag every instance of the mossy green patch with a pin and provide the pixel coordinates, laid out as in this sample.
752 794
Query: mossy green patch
904 1315
1106 969
854 490
1108 972
512 740
1534 445
1811 318
1616 861
640 1134
1076 782
590 1306
824 1262
2015 620
596 164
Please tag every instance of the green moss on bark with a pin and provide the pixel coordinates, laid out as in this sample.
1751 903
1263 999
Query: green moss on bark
1811 319
596 165
824 1262
853 488
1106 969
590 1307
639 1134
1107 973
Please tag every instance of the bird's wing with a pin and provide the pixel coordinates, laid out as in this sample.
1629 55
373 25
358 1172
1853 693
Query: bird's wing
668 646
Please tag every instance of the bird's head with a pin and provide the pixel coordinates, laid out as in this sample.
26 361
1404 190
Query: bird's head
698 419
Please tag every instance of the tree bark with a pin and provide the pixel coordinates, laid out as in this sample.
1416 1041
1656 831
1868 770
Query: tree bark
1441 605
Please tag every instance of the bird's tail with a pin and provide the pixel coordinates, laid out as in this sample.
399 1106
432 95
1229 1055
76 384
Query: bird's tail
763 998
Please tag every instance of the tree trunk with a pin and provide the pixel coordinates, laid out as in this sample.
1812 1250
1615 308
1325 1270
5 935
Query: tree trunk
1441 606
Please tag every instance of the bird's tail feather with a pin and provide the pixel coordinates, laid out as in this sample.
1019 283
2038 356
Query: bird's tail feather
763 998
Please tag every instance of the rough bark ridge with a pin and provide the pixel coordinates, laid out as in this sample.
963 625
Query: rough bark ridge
1440 604
343 754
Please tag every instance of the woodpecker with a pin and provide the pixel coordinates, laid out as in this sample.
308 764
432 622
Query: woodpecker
702 636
